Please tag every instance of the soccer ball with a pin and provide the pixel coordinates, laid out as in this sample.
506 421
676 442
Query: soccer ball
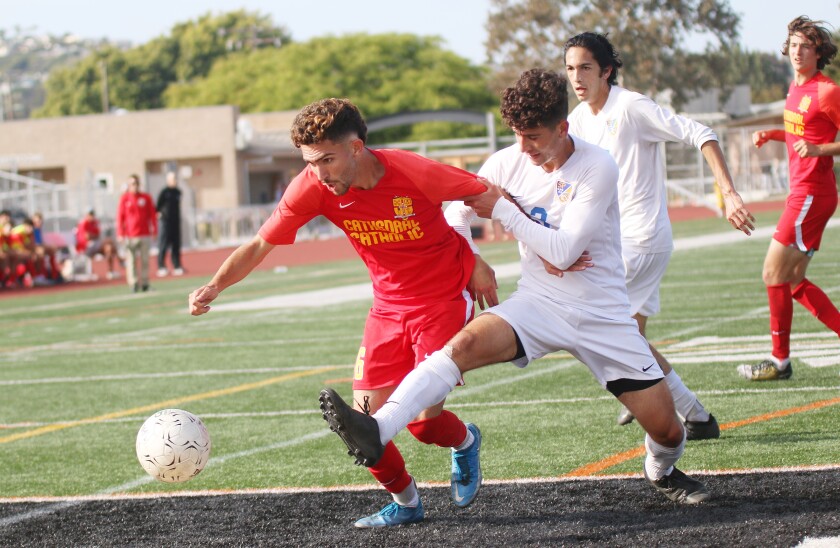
173 445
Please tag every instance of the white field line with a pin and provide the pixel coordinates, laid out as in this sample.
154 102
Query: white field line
738 392
71 499
168 374
66 502
324 297
69 348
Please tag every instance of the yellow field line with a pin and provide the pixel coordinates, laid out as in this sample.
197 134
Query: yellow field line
613 460
157 406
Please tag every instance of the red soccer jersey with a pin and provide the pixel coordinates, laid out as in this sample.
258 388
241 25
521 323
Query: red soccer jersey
812 112
414 257
136 215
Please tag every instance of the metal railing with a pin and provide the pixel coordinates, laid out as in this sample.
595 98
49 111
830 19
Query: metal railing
758 174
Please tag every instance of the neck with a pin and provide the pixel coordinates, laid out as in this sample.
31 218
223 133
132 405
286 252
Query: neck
564 152
802 77
597 104
370 171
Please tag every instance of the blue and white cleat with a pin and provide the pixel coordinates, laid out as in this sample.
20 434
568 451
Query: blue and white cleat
466 471
392 515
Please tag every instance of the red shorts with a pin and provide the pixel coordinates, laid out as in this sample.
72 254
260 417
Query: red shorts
396 339
803 221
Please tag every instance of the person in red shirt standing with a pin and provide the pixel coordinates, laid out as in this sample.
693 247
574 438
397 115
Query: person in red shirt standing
389 204
812 118
136 225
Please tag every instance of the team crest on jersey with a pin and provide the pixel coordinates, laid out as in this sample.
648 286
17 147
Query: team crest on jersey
403 207
612 126
805 103
564 191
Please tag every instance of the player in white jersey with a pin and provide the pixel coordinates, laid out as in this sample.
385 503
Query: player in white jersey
557 196
632 128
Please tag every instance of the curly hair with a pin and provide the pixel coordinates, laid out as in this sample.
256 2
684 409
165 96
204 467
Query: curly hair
538 99
815 32
328 120
600 48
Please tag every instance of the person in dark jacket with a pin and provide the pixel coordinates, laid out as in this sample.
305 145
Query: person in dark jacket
169 216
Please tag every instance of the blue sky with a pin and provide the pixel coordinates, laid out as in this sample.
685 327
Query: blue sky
459 22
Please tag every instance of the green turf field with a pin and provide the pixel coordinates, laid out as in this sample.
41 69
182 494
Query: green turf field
80 371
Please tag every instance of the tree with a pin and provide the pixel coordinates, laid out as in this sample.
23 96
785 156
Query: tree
382 74
138 77
649 35
833 70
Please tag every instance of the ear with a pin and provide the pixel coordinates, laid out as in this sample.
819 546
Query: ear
606 73
357 145
563 128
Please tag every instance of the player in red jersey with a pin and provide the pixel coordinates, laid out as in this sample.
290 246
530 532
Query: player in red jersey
812 118
388 203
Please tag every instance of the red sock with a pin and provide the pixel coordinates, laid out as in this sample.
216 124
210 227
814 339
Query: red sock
817 302
781 317
390 470
445 430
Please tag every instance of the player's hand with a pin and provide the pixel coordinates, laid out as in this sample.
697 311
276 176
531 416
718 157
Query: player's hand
483 284
806 149
759 138
583 262
200 299
738 215
483 203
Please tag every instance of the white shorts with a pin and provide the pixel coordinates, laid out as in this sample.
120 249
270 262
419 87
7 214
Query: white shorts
611 347
643 274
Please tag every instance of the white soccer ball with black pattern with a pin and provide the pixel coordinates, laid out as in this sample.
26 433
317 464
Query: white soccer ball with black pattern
173 445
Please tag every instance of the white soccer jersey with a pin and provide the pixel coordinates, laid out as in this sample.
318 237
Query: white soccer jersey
632 127
569 211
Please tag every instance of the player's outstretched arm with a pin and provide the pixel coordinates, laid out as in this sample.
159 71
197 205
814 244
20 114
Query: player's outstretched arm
736 212
760 137
239 264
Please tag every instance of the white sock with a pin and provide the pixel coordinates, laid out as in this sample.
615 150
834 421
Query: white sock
685 401
467 441
409 496
426 385
781 365
660 460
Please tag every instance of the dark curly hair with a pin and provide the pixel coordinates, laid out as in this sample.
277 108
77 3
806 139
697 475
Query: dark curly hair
537 99
600 48
328 120
815 32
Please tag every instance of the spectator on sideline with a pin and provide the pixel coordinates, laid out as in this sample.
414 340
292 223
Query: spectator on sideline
812 119
388 203
91 242
6 259
558 197
169 224
21 246
46 253
631 127
136 225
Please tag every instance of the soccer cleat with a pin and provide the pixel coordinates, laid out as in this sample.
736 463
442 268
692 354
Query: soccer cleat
358 431
466 471
391 515
766 371
680 488
162 272
697 430
178 272
625 417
